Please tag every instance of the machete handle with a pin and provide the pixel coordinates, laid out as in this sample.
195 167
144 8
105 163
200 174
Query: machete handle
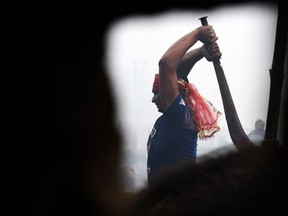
203 20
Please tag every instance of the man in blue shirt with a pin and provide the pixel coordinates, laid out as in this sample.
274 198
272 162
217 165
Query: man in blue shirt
186 114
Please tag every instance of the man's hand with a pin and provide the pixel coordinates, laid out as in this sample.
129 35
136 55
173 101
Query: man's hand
211 52
206 34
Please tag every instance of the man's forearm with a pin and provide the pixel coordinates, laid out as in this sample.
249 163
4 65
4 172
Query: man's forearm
188 61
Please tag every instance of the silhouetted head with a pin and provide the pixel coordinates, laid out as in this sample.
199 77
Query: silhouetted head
259 125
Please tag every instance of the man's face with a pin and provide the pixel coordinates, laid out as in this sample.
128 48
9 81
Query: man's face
157 101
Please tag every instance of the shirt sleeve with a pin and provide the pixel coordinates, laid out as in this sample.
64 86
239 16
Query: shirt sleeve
177 111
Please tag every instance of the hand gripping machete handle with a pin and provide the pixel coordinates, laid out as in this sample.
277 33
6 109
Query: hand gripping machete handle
236 131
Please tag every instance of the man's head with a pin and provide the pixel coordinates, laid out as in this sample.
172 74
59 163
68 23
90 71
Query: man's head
259 125
156 96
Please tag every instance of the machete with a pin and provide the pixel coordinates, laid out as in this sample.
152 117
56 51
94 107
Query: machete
236 131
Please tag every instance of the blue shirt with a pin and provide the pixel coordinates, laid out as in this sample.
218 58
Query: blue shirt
172 140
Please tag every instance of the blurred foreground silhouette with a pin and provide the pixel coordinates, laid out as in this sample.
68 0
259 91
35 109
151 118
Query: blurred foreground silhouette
252 181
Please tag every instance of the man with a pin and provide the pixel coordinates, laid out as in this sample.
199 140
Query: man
186 114
258 134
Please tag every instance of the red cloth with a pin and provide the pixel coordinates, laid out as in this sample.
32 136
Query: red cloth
204 113
155 87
